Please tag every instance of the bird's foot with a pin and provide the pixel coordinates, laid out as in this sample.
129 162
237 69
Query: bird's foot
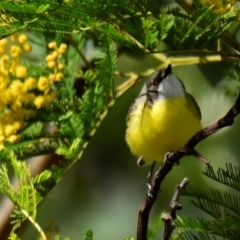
150 192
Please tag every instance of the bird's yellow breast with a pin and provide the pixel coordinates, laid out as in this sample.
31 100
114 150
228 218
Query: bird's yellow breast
166 125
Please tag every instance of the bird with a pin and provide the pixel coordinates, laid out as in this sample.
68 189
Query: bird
163 117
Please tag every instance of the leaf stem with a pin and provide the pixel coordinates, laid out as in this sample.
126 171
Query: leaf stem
35 224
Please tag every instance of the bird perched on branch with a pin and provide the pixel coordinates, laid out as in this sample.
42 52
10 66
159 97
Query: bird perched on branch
162 118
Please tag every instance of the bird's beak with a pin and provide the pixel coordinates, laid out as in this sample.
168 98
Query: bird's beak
168 70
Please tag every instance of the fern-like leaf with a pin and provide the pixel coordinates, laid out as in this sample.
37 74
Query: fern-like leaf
13 236
227 228
186 235
26 196
229 176
106 66
154 228
212 201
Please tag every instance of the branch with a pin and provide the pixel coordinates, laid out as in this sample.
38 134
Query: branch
173 208
186 57
173 158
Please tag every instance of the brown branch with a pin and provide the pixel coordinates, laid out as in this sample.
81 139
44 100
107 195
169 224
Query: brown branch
173 208
173 158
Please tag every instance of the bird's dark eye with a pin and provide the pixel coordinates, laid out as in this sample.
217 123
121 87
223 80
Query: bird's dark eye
155 83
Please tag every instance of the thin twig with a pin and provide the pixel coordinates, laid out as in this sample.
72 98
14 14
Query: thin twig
173 208
173 158
196 154
35 224
75 46
186 57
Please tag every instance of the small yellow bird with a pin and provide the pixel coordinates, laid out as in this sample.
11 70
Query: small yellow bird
162 118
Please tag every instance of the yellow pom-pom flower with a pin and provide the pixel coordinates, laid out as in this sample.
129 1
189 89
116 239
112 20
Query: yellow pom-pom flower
55 55
39 101
14 48
14 138
60 66
21 72
18 125
30 83
4 60
43 84
16 88
2 138
51 64
16 85
14 65
52 78
27 47
59 77
9 130
52 45
4 82
2 50
14 37
22 39
62 48
49 58
15 51
3 42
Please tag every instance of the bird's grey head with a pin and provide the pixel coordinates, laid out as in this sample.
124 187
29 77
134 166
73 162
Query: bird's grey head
162 84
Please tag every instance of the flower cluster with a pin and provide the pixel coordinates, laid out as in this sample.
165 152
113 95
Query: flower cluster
220 5
45 82
22 94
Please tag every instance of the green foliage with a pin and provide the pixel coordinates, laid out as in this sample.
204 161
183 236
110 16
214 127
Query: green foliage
165 23
199 30
25 197
229 176
88 234
138 25
212 201
154 229
13 236
106 61
223 207
197 236
227 228
76 124
231 85
59 238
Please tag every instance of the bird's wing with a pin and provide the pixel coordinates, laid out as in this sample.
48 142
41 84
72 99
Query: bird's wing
132 108
193 105
142 99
